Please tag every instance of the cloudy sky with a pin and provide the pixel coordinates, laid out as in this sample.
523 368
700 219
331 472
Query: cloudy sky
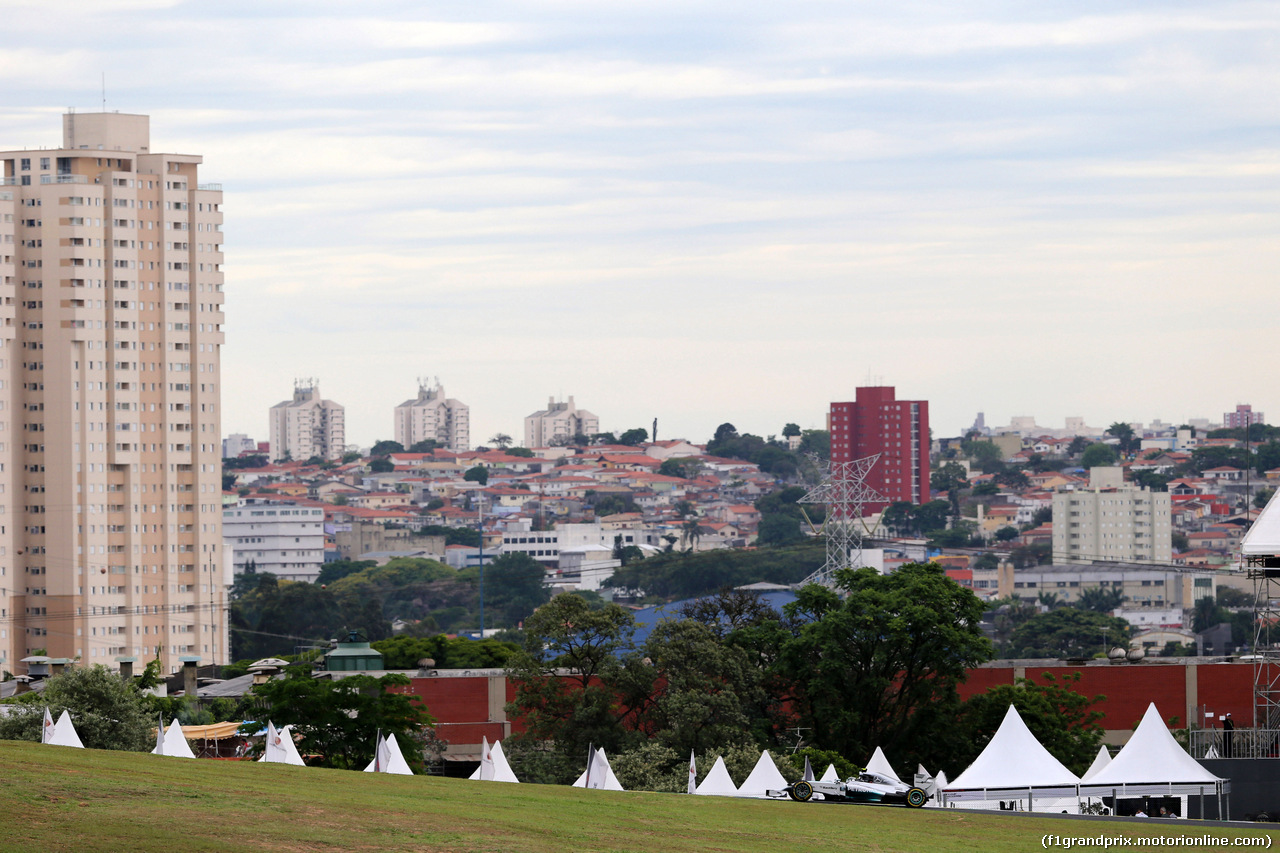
711 211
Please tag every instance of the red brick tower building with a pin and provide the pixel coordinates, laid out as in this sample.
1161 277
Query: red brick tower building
896 429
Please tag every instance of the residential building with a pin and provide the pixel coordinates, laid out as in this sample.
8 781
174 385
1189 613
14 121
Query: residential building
897 430
307 426
1244 416
558 423
1146 587
433 416
1112 521
284 539
237 443
110 358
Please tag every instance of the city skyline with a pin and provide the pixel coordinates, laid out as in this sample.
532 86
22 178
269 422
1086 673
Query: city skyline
736 214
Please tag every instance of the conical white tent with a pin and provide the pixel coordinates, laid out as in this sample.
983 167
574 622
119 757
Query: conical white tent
389 759
939 784
493 764
484 772
807 776
1013 759
880 764
1101 760
64 733
601 774
174 743
280 747
1152 756
718 782
831 775
763 777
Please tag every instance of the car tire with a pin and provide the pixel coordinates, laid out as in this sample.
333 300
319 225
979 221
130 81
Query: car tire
916 797
802 792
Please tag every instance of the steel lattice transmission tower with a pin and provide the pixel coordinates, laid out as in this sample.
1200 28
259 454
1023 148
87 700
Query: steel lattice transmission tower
844 492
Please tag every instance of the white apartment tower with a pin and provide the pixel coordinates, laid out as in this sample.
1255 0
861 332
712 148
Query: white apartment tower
110 338
558 423
1112 521
307 426
433 416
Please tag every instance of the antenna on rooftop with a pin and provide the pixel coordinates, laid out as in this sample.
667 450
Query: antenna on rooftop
104 91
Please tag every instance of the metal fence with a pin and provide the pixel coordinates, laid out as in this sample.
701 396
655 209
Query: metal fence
1240 743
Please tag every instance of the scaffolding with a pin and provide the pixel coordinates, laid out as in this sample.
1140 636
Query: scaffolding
1264 570
844 492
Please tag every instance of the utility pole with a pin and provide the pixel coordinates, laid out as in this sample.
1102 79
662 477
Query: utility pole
480 499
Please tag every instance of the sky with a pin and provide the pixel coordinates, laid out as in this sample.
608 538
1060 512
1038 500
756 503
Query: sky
709 212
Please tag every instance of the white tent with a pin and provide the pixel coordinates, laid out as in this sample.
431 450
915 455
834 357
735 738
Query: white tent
61 734
601 774
493 764
807 776
280 747
939 784
718 783
1263 538
831 775
389 759
693 773
1153 764
1152 757
1101 760
763 777
173 743
1014 766
880 764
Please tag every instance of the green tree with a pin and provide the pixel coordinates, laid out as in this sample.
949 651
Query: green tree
566 679
1069 632
339 720
427 445
107 712
1078 445
1100 600
949 477
381 465
404 652
879 666
478 474
386 447
513 586
500 440
339 569
791 431
1006 534
1062 719
985 454
1129 442
634 437
1098 455
686 469
522 452
817 442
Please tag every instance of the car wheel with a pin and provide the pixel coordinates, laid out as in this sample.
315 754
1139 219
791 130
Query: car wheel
802 791
916 798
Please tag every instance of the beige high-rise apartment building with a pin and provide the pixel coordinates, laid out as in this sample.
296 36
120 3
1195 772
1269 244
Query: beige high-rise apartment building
110 337
431 415
1112 521
308 426
558 423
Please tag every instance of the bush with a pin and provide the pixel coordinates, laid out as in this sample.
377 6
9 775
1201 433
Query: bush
107 712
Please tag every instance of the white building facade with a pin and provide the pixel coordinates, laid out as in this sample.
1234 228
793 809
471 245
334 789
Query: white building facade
432 415
558 423
1114 523
284 539
307 426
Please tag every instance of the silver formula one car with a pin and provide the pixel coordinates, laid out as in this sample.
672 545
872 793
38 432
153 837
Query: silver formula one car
866 788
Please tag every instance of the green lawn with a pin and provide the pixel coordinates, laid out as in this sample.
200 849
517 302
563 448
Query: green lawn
55 798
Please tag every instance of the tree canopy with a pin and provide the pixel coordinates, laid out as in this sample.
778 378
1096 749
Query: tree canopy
108 712
876 661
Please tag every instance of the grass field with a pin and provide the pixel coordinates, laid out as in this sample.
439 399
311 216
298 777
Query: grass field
56 798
